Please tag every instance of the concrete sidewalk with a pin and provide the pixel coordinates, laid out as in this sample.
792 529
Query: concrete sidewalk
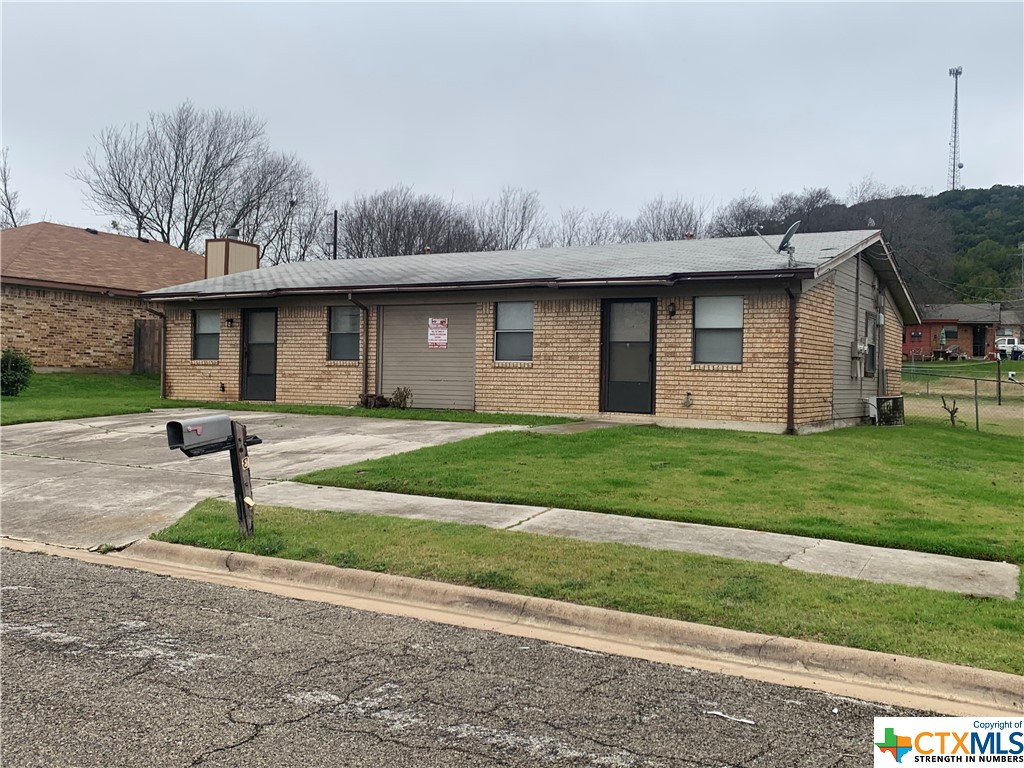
891 566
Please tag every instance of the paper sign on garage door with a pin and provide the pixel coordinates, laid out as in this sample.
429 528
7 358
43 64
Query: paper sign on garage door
437 333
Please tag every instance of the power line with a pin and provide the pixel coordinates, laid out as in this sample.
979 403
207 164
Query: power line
952 286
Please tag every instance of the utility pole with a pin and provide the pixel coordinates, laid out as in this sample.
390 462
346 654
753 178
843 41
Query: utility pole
334 240
955 166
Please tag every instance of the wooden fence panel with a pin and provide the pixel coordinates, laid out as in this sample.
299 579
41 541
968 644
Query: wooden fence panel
148 347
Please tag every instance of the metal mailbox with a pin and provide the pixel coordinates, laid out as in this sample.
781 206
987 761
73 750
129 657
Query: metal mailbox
200 435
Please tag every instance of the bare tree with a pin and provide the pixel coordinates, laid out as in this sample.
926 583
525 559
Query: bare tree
739 217
661 219
285 210
10 214
577 226
515 220
398 222
188 174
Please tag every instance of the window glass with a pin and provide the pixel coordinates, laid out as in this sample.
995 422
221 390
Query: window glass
207 321
718 312
344 320
630 321
515 316
262 327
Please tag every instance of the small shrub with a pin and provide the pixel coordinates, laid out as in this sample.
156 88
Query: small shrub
401 397
15 371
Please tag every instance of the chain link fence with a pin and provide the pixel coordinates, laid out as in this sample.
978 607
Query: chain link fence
986 396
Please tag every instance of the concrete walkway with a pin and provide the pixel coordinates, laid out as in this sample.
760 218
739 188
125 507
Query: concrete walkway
891 566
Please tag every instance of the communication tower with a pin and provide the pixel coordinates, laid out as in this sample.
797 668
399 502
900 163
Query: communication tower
955 166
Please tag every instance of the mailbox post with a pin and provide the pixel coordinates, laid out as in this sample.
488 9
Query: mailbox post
244 504
201 435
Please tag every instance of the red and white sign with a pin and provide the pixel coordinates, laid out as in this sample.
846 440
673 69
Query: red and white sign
437 333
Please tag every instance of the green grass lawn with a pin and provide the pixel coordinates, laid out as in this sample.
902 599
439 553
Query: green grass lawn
981 632
55 396
924 487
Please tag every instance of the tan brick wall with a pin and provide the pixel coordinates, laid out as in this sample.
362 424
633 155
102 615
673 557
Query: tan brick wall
815 323
188 379
754 390
70 329
893 362
304 374
564 376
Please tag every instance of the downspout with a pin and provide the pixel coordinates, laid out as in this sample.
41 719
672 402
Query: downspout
163 350
791 366
366 333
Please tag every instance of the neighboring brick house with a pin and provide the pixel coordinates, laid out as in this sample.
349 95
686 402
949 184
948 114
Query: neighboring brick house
952 331
1011 323
69 297
725 332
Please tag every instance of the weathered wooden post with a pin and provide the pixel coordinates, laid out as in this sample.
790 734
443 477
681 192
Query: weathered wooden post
244 504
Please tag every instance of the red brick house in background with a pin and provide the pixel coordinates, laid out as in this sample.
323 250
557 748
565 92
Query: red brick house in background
69 297
953 330
727 332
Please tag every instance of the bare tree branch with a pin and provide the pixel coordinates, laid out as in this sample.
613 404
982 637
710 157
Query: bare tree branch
10 214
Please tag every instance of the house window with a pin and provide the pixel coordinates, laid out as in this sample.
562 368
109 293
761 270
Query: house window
871 334
950 331
1005 331
513 331
344 334
718 329
206 334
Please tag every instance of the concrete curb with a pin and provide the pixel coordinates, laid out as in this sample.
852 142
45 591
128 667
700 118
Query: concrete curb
921 679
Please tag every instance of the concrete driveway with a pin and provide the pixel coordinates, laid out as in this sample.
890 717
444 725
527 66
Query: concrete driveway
112 480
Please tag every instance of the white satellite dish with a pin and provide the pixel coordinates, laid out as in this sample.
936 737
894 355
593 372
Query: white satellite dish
784 245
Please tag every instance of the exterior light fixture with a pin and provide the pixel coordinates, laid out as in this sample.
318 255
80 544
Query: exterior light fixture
671 309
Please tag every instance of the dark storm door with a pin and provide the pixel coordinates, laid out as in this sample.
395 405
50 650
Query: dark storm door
978 338
627 359
259 355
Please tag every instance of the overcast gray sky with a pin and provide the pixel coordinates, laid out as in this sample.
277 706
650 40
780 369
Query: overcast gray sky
595 105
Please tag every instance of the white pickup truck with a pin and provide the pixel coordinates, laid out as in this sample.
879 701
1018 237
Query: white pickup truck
1007 345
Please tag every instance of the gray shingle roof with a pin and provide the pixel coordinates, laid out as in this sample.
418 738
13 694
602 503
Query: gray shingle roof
962 313
675 259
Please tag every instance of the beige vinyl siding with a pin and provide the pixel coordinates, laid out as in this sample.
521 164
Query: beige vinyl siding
438 378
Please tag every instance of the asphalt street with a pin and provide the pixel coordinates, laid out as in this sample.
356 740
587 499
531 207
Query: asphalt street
113 667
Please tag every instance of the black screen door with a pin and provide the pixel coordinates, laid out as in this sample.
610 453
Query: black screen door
628 355
259 355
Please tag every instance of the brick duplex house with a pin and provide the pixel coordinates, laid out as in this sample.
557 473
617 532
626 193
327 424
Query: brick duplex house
70 296
726 332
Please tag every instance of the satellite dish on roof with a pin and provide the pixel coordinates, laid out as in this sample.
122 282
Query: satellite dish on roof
784 245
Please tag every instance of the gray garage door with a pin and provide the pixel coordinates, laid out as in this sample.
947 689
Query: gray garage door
431 349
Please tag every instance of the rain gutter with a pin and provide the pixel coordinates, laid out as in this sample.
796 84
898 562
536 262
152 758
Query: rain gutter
791 366
366 335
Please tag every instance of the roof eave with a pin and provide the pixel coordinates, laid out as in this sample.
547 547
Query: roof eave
552 283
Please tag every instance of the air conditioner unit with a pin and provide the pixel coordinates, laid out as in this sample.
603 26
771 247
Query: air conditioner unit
885 411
